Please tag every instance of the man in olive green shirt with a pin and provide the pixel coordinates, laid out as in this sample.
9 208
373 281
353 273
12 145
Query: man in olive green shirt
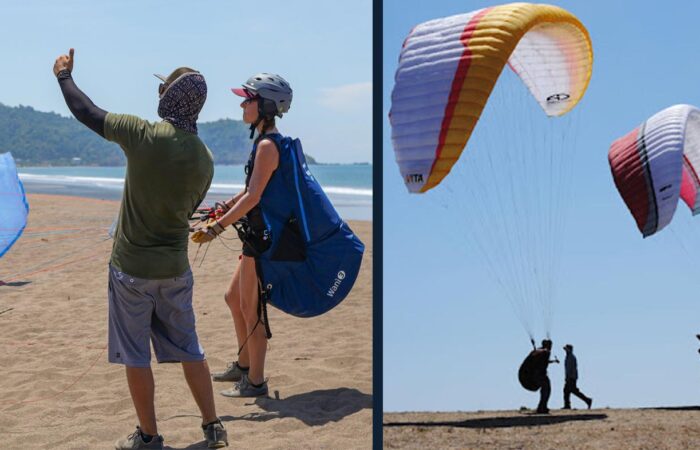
169 170
168 174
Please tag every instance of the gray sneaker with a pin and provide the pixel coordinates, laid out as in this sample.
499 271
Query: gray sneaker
233 372
216 435
244 389
135 442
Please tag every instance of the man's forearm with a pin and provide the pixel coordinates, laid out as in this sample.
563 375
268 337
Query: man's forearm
80 104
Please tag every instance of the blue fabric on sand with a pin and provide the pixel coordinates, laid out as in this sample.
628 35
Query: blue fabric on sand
14 208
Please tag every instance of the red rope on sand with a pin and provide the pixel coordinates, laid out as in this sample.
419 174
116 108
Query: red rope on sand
64 390
46 269
30 238
44 229
53 197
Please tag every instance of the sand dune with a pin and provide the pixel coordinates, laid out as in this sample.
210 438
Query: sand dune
57 390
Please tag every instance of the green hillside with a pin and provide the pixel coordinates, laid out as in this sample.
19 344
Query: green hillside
38 138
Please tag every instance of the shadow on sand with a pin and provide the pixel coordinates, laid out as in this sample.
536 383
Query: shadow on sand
313 408
14 283
198 445
675 408
533 420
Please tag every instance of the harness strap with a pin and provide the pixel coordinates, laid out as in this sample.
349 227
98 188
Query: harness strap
254 125
243 229
263 297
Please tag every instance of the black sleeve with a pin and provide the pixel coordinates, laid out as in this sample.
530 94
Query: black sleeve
80 105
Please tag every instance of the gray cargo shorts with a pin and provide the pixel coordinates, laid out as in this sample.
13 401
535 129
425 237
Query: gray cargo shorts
144 311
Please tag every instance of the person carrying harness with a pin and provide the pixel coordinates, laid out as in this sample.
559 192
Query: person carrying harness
298 254
265 96
533 373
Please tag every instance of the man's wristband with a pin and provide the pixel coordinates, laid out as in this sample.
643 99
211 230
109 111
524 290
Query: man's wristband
63 74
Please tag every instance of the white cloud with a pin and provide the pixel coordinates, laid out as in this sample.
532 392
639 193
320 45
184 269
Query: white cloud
348 98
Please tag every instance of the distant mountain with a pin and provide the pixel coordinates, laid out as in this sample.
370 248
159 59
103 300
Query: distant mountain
38 138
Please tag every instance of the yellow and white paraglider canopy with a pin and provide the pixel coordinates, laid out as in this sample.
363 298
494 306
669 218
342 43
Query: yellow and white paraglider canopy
448 68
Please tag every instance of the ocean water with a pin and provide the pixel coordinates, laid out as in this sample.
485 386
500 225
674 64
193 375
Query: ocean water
349 186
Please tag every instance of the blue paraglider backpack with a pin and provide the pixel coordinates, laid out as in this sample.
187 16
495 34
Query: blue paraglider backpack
312 257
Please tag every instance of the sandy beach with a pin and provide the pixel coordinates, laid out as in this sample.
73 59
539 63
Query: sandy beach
595 429
57 390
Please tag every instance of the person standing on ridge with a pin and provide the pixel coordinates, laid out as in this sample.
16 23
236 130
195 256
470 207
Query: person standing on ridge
169 170
571 376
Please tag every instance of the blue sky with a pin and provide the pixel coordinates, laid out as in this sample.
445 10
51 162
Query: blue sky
629 305
325 54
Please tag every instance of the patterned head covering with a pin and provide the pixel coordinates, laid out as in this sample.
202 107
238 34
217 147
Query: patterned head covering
182 101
